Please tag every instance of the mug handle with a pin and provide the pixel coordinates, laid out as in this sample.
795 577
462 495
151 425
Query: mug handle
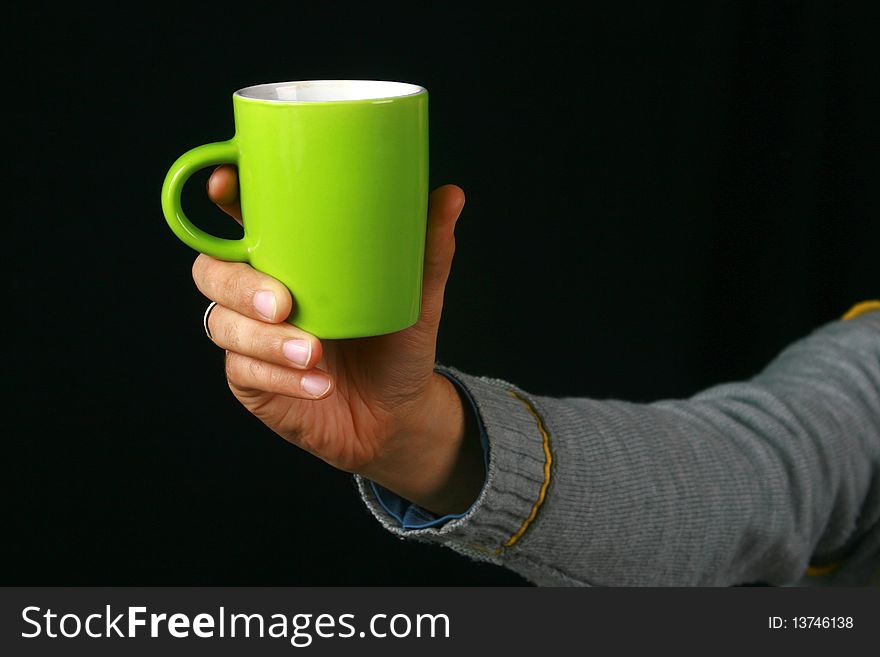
221 152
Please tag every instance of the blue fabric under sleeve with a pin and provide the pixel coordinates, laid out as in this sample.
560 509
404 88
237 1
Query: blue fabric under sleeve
412 516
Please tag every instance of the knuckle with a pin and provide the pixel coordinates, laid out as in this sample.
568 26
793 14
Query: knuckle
430 313
230 287
279 379
232 366
210 277
196 268
256 369
265 343
211 267
229 332
199 267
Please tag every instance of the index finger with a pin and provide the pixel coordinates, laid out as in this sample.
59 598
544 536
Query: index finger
223 190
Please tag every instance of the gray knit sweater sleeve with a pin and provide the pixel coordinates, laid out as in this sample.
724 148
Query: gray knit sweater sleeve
746 482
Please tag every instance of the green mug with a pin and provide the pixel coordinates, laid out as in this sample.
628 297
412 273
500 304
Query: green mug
333 184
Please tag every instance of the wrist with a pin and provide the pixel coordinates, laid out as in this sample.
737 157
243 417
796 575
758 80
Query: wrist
435 458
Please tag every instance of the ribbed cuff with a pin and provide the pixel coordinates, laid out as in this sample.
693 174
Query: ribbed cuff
514 482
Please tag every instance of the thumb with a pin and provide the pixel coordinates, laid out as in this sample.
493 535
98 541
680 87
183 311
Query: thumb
444 207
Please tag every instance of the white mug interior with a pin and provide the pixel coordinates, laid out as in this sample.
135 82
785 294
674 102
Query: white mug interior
324 91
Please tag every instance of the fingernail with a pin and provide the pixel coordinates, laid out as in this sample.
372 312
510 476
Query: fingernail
264 303
315 384
297 351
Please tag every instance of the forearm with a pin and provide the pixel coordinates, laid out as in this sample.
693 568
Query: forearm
742 483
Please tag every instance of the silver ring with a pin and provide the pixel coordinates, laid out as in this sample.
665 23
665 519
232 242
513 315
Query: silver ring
205 319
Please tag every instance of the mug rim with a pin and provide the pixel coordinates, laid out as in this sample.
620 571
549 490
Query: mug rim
408 88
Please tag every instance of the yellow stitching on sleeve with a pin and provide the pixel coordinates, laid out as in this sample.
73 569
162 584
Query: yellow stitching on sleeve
816 571
862 308
548 461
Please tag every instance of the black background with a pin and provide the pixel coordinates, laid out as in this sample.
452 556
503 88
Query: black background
660 197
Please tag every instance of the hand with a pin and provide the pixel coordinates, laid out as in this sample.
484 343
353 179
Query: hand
372 406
